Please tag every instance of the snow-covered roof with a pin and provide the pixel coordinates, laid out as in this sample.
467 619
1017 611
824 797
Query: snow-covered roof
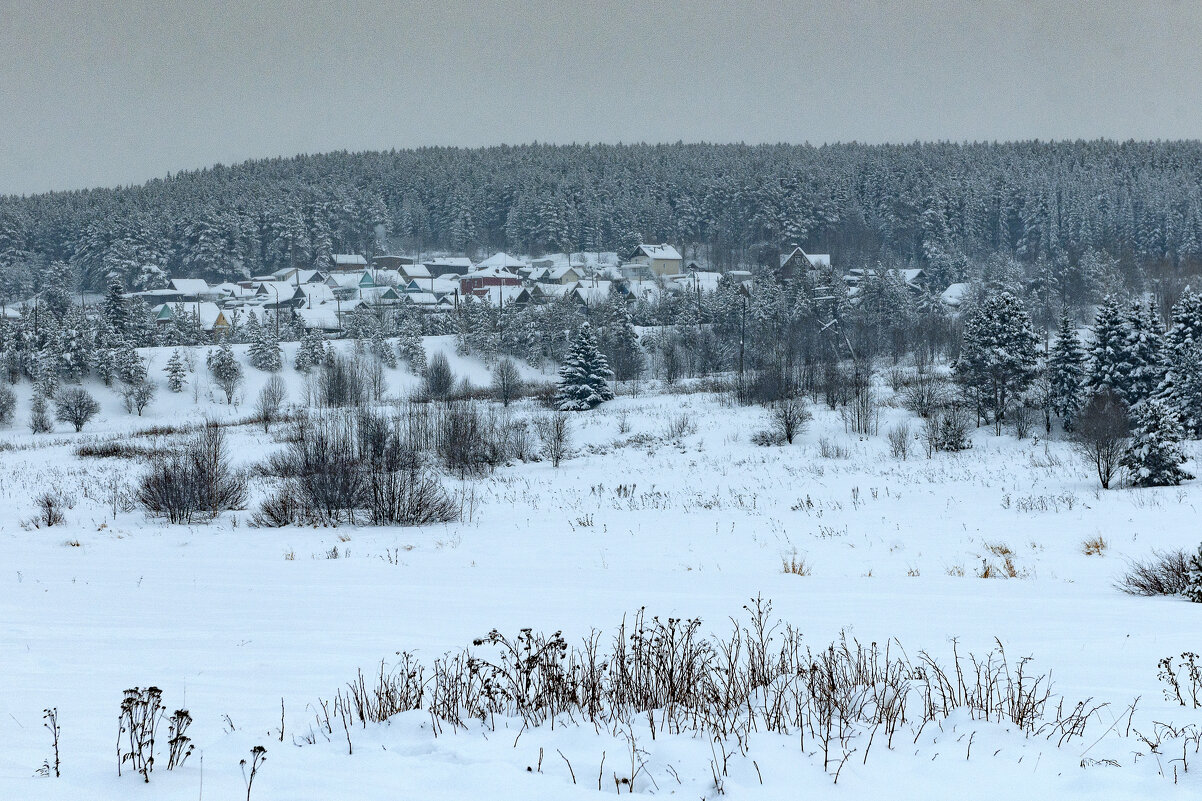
420 298
592 292
439 286
492 271
233 290
455 262
502 295
349 260
816 259
190 286
660 252
954 294
351 280
706 281
320 318
317 293
557 273
415 270
502 260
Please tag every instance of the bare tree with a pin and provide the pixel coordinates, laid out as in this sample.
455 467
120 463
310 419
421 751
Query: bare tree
270 400
137 396
440 381
75 406
506 382
554 433
1101 434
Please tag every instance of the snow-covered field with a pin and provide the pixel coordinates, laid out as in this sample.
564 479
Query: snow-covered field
233 622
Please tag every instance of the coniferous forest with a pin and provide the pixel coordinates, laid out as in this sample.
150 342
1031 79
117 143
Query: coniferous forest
1078 219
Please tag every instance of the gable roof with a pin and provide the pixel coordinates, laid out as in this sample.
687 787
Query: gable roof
190 286
659 252
502 260
349 260
815 259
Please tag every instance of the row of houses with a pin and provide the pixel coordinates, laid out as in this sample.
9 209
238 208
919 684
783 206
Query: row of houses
320 299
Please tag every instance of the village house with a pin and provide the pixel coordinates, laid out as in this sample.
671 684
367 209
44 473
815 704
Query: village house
487 277
659 259
796 262
212 318
459 265
344 262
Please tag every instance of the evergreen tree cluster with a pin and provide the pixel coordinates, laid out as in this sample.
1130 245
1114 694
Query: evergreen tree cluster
1077 216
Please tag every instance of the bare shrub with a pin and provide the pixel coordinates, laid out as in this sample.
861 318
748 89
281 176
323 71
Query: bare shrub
829 449
137 396
789 418
899 441
141 713
554 433
1023 418
1100 434
680 425
506 381
1094 546
439 380
925 394
861 415
193 482
270 401
75 406
50 509
1163 573
342 381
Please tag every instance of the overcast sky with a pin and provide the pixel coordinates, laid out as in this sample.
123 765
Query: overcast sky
104 93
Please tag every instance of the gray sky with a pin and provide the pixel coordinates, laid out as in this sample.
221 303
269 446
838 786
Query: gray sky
104 93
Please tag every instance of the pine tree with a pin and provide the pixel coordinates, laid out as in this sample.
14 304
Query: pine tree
381 348
176 372
73 346
310 352
620 342
584 376
265 353
998 355
1155 458
1108 365
225 370
1144 346
1066 372
409 342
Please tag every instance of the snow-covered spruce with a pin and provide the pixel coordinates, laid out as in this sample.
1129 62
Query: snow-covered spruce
1154 458
585 375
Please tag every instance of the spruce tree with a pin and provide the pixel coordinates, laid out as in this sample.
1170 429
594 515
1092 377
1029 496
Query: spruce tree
584 376
409 342
1181 387
176 372
621 343
265 351
1108 358
310 352
114 311
1144 343
225 370
381 348
1066 372
998 355
1154 458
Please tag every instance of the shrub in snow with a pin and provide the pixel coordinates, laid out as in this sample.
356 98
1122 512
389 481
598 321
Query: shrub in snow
177 373
8 405
1101 434
440 381
138 396
554 433
506 382
584 376
194 482
271 398
39 420
225 370
789 418
343 381
75 406
1154 458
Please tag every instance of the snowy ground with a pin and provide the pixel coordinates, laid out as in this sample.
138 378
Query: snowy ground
231 620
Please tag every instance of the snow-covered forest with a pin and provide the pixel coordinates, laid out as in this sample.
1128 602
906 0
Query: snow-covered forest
1058 210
